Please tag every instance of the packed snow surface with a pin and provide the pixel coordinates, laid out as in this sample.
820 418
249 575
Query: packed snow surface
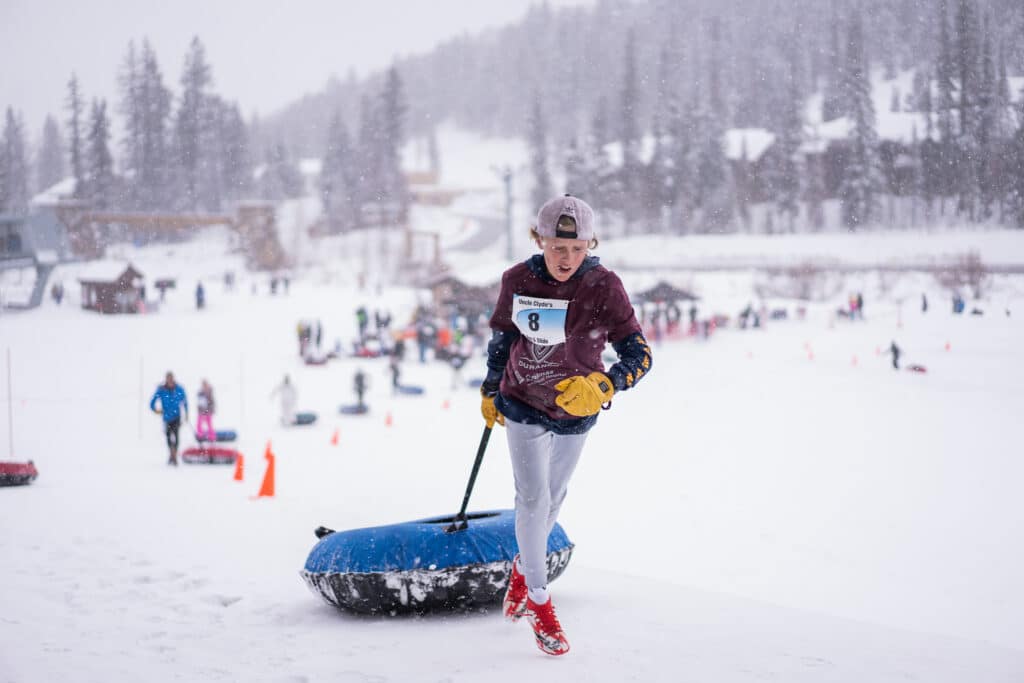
768 503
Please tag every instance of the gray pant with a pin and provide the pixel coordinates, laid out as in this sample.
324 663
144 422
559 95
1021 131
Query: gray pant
542 463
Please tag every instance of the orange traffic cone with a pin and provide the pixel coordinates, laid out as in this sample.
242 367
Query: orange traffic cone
267 487
239 468
853 361
387 420
334 438
446 405
948 347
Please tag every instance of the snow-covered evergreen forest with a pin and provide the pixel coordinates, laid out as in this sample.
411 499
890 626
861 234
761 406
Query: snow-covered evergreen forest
677 116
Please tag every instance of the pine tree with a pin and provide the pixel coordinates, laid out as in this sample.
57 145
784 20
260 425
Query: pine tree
13 166
683 189
711 174
191 126
236 165
967 142
988 124
74 105
130 105
631 173
99 163
663 170
368 160
576 181
337 179
944 106
434 153
605 190
393 109
50 160
538 144
832 104
1016 157
929 170
862 176
211 146
785 175
600 130
281 178
153 182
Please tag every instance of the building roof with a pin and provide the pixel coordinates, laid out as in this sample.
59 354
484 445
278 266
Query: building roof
749 143
56 193
106 270
664 291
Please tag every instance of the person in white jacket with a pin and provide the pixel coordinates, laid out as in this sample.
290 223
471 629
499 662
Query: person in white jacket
288 396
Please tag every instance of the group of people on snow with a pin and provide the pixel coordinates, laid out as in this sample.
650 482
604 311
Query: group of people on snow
171 403
546 384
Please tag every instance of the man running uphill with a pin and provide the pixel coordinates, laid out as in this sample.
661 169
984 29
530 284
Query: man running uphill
172 404
546 383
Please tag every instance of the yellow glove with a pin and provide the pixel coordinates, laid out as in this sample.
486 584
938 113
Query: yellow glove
583 396
490 412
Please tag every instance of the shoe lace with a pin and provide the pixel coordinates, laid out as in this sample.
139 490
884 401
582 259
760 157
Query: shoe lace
547 618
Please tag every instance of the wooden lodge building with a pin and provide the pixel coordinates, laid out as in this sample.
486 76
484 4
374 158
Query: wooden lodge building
112 287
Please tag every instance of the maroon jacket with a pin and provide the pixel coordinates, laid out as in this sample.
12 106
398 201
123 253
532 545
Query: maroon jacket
545 331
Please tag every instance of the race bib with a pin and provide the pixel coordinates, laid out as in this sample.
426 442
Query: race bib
541 321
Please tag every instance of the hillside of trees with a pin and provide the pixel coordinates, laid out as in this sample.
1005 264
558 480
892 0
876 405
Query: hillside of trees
630 102
661 81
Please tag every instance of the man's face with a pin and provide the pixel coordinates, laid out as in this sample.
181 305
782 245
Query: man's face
169 380
563 256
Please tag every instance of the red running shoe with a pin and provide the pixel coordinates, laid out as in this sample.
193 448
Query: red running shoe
550 638
514 604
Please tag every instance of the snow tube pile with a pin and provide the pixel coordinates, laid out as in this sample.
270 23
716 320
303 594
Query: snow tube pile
220 435
209 455
418 567
354 410
917 368
315 360
304 418
17 473
410 390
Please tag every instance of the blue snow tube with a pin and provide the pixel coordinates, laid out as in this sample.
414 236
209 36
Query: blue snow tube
418 567
219 435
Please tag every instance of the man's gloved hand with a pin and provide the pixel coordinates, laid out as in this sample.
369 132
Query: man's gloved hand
489 410
583 396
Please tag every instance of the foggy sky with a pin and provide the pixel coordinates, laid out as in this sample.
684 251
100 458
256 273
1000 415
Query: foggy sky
264 53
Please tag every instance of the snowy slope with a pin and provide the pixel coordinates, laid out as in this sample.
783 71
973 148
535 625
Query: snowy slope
762 506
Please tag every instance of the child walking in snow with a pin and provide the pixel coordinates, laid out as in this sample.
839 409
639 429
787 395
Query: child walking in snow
205 408
546 384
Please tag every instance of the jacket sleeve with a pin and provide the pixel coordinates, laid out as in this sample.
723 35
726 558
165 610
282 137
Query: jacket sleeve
152 401
503 334
497 358
626 337
634 361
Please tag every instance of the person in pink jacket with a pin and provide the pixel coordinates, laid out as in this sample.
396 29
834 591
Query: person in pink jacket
205 407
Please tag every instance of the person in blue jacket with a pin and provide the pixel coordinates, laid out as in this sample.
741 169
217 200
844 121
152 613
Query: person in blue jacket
173 404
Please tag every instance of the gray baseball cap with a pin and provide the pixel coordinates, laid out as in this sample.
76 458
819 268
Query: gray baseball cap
579 210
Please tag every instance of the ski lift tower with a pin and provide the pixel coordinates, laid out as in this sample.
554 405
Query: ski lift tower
506 177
